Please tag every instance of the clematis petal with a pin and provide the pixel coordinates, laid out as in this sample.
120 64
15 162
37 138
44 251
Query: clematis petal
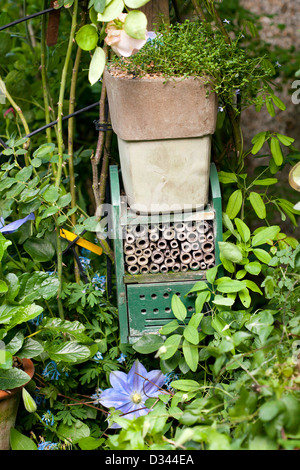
136 377
112 398
155 381
10 228
118 381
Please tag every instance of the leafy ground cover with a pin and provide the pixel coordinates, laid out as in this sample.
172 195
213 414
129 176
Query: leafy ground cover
228 377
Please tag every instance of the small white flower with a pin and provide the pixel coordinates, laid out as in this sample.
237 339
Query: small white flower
226 21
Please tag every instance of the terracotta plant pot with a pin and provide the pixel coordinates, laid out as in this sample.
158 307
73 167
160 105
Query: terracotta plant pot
9 402
164 133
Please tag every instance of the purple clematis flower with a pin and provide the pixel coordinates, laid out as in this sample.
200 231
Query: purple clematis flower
130 391
10 228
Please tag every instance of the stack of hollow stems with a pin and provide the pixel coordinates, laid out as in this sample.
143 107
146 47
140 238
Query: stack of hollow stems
169 247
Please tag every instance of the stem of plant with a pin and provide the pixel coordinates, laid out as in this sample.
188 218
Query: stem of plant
18 110
60 145
44 81
71 124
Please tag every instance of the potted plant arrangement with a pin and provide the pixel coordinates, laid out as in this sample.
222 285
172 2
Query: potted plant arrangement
163 106
16 351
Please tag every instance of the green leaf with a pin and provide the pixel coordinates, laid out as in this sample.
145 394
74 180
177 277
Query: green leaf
220 300
252 286
169 327
51 194
97 65
228 286
270 410
20 442
199 286
202 297
265 182
70 351
39 249
64 200
30 348
13 315
265 235
171 344
178 308
258 205
135 3
190 352
259 142
278 102
191 334
243 229
3 287
234 204
253 268
270 106
112 11
285 140
230 252
77 431
276 151
49 212
24 174
245 297
147 344
13 286
211 274
90 443
99 5
227 178
186 385
12 378
87 37
136 24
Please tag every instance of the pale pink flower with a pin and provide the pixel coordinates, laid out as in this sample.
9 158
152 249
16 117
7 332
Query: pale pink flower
121 43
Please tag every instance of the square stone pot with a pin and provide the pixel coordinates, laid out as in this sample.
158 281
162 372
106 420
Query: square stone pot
164 130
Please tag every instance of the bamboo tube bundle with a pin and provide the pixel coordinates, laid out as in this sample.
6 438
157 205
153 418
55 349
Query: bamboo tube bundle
169 247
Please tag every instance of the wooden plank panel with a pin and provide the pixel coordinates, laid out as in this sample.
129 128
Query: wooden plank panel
153 9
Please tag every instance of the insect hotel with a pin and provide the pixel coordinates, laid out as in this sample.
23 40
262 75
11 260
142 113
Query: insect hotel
166 201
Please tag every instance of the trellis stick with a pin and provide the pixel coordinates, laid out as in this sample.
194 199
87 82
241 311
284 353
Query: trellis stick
60 145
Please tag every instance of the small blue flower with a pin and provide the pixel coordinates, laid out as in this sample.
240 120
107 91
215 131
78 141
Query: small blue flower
85 253
50 273
130 391
278 64
168 378
99 282
48 418
37 320
98 357
51 371
47 445
122 358
38 397
13 226
86 262
97 395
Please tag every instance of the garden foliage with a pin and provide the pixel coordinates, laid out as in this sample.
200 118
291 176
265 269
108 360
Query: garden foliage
232 369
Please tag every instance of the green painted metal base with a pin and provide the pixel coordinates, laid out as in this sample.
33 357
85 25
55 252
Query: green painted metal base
144 300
